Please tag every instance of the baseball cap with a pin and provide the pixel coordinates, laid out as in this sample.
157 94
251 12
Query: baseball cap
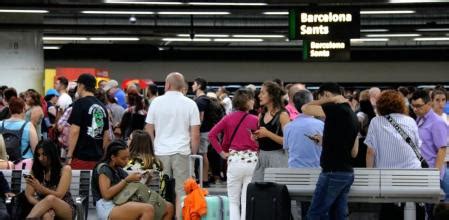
52 92
111 84
87 80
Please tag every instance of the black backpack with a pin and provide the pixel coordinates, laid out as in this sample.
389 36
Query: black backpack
13 141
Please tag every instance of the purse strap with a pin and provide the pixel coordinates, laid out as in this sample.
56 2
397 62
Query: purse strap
236 128
405 137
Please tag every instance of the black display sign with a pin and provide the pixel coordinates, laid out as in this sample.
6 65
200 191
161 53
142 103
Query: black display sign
326 50
324 23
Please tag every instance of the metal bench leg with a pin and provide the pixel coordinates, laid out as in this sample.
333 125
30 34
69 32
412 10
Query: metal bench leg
410 211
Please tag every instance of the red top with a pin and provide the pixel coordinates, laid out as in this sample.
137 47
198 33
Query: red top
242 139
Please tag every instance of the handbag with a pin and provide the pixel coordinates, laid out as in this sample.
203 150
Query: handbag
409 141
19 207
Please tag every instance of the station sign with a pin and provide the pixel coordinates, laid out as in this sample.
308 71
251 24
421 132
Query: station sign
338 50
324 23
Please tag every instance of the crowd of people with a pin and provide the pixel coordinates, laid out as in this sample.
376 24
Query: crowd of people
108 129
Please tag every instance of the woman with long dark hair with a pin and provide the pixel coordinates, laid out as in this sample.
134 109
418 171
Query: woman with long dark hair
109 178
272 121
134 116
48 186
34 111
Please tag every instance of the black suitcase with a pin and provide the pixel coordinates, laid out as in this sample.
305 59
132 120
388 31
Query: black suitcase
267 201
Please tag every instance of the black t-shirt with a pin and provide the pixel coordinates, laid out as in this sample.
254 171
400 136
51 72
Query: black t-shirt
203 103
340 131
114 175
92 118
5 114
274 126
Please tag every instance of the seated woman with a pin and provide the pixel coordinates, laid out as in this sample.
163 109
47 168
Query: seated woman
143 158
110 179
50 182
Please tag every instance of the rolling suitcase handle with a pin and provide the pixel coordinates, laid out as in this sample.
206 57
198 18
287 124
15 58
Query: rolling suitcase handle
192 159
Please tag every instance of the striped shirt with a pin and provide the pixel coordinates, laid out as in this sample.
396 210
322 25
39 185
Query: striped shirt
391 150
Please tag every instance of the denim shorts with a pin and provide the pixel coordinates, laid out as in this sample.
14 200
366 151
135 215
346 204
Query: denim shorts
104 208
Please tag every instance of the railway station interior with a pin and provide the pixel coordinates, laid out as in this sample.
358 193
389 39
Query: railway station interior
277 109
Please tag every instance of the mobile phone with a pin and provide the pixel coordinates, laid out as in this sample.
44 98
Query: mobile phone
27 176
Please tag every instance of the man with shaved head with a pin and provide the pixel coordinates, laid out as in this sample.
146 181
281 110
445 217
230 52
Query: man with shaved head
173 122
291 106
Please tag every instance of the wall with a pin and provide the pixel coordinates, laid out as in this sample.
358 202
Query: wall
21 60
261 71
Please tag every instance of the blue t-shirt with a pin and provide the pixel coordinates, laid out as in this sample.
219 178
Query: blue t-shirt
16 125
446 108
303 152
120 96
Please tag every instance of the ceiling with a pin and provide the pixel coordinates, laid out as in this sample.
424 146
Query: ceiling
221 23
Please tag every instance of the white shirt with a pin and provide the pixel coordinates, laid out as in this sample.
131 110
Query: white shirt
391 149
227 105
172 115
64 101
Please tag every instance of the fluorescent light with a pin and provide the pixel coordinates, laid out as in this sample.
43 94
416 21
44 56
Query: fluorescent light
393 35
416 1
203 35
142 2
23 11
360 40
432 29
431 39
387 12
187 39
52 47
193 13
275 13
119 12
114 38
238 40
64 38
228 3
374 30
258 35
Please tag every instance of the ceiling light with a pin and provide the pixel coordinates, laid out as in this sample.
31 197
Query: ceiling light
141 2
187 39
415 1
228 3
203 35
119 12
393 35
52 47
387 12
114 38
23 11
431 39
275 13
258 35
193 13
374 30
357 40
238 40
64 38
432 29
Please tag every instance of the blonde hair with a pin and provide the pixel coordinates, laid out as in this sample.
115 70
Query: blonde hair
3 154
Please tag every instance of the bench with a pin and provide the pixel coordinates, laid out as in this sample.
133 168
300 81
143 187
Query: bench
79 188
370 185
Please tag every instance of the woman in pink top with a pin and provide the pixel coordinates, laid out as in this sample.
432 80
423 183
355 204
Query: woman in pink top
239 148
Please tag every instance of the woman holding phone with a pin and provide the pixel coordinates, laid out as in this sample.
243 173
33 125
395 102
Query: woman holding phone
48 185
239 148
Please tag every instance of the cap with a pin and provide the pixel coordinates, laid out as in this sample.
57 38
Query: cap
52 92
111 84
87 80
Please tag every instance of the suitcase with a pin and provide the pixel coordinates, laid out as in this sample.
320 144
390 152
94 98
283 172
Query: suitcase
267 201
217 206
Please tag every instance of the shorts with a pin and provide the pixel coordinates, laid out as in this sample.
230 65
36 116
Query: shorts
104 208
204 143
78 164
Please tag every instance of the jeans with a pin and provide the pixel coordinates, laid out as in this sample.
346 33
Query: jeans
445 184
330 199
240 172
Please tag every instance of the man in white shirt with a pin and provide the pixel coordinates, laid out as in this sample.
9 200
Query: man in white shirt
64 100
173 122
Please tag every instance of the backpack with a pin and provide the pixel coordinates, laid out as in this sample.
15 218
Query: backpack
215 111
13 141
